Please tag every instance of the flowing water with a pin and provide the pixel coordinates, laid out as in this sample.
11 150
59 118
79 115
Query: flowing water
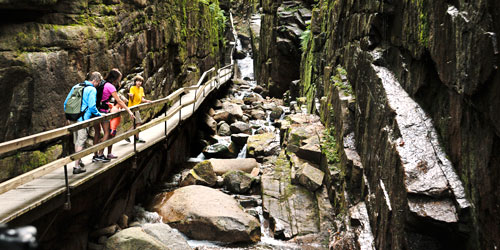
267 241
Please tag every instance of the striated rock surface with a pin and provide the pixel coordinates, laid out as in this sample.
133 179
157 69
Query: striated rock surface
411 101
206 214
292 208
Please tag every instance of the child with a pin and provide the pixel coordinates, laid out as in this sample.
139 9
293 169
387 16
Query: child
113 126
136 97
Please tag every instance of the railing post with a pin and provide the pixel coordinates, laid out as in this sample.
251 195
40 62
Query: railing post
135 137
166 120
180 108
66 150
194 104
67 204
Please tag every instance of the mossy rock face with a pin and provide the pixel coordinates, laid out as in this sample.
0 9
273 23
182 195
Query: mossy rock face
47 53
23 162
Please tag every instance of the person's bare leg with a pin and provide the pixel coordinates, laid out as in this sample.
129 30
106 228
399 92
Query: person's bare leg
105 128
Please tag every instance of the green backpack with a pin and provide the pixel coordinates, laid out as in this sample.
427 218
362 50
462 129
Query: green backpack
74 103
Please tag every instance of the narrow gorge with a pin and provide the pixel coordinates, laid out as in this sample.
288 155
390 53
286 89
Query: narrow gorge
346 124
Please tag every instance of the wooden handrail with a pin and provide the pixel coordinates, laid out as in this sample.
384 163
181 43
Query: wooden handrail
16 144
31 140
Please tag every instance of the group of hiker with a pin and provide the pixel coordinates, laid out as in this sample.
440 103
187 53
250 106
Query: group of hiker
96 97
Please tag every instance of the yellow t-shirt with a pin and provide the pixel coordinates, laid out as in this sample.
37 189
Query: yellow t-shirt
138 94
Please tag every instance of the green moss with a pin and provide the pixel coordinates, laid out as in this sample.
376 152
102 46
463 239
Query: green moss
329 146
423 22
341 84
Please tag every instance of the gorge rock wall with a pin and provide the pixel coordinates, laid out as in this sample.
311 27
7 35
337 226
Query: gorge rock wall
276 43
413 85
48 46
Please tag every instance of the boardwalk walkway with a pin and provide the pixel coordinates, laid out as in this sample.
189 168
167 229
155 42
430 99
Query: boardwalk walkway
34 193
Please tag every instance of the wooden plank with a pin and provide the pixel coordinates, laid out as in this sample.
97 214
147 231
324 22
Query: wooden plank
31 175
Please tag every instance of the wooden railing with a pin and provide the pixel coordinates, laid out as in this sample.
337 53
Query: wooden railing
172 104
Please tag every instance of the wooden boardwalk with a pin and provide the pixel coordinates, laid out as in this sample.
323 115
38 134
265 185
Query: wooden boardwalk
34 193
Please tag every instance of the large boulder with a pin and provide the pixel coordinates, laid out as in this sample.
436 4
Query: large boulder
238 182
204 213
201 174
221 166
168 236
133 238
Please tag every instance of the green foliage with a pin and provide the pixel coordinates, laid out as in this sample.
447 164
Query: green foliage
339 83
329 146
304 38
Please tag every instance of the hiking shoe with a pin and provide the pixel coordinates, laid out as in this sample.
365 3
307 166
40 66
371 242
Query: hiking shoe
140 140
127 140
79 170
102 158
111 156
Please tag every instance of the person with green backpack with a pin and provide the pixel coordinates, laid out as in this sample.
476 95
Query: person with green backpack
80 105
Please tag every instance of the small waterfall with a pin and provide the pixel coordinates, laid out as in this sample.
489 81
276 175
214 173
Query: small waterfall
243 153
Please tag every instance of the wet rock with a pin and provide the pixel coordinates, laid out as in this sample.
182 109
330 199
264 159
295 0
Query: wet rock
258 114
262 145
133 238
311 150
222 166
201 174
258 89
276 113
248 201
123 221
442 210
203 213
224 129
253 97
240 139
360 219
211 124
310 177
238 182
220 150
245 118
223 115
233 109
168 236
239 54
240 127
